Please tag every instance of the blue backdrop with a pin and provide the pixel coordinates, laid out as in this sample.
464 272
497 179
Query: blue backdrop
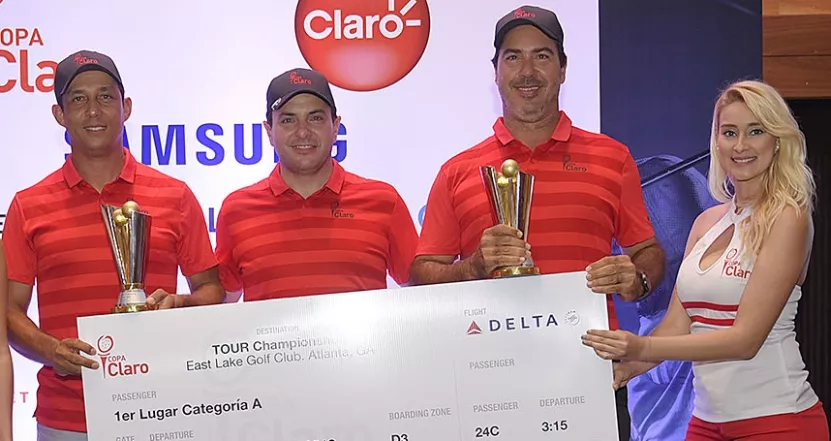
662 64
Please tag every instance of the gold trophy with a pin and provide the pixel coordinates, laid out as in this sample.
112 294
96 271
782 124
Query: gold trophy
128 229
509 193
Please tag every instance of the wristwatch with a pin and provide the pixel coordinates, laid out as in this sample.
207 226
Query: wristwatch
644 284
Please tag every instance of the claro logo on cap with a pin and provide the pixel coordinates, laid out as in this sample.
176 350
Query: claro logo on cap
81 60
362 45
522 13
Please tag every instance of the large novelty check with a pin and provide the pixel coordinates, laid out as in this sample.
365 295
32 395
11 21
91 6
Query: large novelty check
485 360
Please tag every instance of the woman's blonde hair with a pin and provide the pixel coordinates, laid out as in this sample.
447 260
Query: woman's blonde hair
788 180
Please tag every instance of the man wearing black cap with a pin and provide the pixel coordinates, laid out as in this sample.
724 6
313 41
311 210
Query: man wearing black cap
55 236
587 189
311 227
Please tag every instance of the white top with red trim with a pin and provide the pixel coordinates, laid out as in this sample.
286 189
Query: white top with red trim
775 380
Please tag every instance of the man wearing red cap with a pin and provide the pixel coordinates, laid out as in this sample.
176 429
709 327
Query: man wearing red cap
587 189
55 236
311 227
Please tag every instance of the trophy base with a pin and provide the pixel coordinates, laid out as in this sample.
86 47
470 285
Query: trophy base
120 309
515 271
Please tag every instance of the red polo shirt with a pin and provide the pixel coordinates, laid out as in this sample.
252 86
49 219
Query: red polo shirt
272 243
587 191
54 235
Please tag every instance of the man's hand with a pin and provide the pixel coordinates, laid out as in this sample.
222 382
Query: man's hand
67 358
161 298
500 246
627 370
614 274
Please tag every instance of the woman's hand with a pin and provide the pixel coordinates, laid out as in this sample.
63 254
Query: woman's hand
617 345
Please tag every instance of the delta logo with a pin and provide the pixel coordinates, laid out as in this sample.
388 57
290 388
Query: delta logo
510 324
362 45
28 74
115 365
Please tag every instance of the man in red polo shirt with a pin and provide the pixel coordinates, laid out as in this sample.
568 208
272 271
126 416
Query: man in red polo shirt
587 189
54 235
311 227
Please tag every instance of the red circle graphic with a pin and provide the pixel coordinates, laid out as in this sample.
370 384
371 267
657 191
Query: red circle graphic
105 344
362 45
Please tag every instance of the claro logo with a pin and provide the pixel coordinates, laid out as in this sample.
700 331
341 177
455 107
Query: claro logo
116 364
362 45
25 71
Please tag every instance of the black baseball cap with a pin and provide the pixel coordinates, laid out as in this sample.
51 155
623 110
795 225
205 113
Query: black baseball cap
83 61
543 19
294 82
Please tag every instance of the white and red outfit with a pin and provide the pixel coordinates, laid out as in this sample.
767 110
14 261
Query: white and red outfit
767 396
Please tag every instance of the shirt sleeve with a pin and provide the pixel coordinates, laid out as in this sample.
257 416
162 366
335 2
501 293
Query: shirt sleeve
440 231
632 225
21 259
403 240
229 270
195 249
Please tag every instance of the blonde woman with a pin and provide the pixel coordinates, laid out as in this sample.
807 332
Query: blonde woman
732 313
6 376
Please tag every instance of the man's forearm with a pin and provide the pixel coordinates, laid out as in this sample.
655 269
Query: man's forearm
641 367
426 272
652 261
7 385
27 339
205 294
